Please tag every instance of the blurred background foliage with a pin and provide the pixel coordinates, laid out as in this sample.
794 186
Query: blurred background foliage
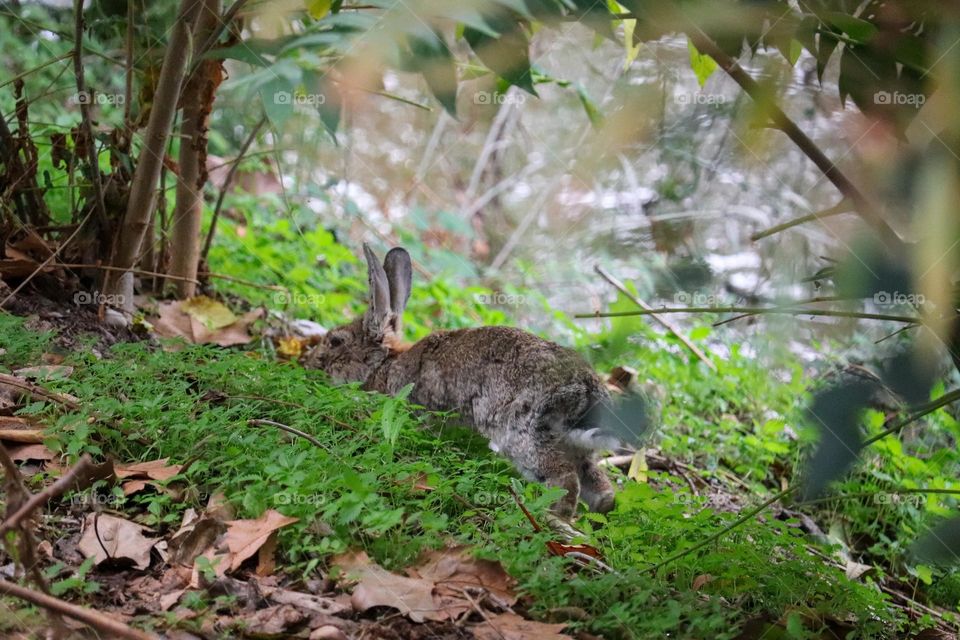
795 162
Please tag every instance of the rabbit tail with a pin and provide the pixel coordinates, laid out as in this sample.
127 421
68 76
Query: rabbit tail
611 425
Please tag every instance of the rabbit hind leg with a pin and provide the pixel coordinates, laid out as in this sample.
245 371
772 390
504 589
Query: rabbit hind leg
595 487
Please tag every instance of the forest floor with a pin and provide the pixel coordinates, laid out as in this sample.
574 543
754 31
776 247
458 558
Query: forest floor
208 491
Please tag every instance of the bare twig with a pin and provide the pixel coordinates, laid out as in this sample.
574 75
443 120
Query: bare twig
80 475
227 181
36 391
306 436
99 621
722 532
106 267
832 313
83 99
866 209
619 286
843 206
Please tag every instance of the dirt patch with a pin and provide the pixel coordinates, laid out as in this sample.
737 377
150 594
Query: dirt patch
50 309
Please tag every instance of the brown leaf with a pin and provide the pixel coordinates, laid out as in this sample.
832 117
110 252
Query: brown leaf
153 469
136 486
30 452
195 536
245 537
700 581
274 621
16 429
379 588
266 561
107 536
454 570
510 626
45 372
175 322
306 601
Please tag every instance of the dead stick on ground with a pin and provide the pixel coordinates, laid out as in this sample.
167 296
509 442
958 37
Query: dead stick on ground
36 391
99 621
58 488
306 436
619 286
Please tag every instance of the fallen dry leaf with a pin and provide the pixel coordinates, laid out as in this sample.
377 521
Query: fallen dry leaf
454 570
16 429
31 452
245 537
273 621
175 322
291 347
44 372
153 469
510 626
378 587
105 536
136 486
701 580
212 314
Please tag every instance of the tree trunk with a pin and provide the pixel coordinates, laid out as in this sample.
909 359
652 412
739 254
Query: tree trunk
197 101
136 220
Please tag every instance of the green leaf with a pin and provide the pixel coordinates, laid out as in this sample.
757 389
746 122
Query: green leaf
836 412
795 50
593 112
941 545
318 8
435 62
703 65
857 28
507 55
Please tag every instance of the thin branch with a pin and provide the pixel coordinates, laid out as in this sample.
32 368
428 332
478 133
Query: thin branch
619 286
930 407
234 167
831 313
35 391
844 206
84 99
100 621
716 536
82 473
306 436
782 121
139 272
249 283
39 67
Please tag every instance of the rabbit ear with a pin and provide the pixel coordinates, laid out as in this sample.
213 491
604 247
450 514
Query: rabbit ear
378 313
399 275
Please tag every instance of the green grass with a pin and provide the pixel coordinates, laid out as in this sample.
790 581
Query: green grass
360 490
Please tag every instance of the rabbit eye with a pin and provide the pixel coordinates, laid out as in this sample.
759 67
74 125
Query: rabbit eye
336 341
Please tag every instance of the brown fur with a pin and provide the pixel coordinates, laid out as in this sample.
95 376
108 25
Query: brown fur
525 394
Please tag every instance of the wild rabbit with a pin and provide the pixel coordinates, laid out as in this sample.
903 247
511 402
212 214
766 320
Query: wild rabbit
541 405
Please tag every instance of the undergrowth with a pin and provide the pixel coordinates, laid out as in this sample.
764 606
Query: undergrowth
394 482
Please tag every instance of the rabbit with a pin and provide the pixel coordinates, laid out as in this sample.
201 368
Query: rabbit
540 405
